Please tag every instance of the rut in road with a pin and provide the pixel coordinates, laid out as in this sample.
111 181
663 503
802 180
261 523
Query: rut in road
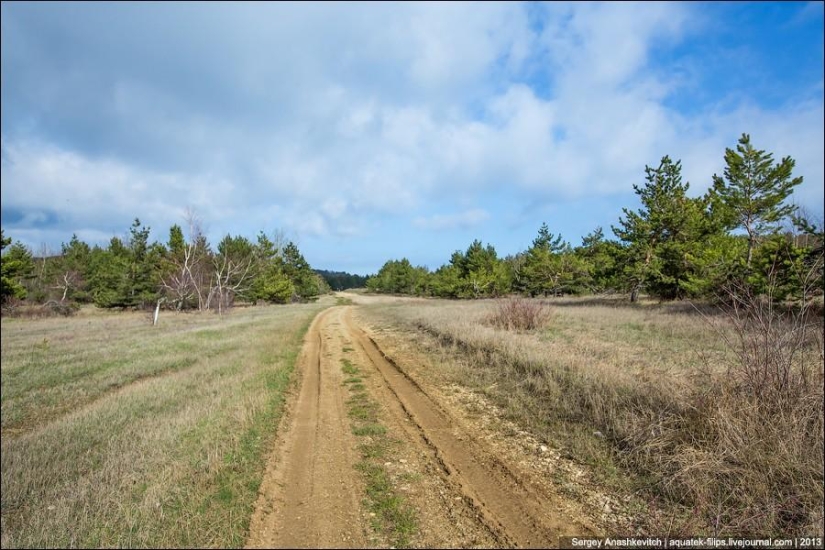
311 494
515 513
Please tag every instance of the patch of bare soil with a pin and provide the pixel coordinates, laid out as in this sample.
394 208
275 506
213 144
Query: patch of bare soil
310 495
470 486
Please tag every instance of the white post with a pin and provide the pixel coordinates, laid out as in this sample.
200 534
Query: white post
157 311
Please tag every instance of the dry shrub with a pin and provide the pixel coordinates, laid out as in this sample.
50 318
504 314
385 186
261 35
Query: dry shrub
51 308
748 457
519 314
778 349
754 468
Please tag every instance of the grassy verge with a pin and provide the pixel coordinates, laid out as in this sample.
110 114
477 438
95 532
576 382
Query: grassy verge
117 433
391 515
648 397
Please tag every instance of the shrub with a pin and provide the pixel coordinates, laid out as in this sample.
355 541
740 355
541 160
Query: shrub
519 314
51 308
753 463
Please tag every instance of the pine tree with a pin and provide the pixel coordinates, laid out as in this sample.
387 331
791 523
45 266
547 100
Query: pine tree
546 269
600 257
72 276
16 264
297 269
752 193
548 241
660 237
177 244
141 287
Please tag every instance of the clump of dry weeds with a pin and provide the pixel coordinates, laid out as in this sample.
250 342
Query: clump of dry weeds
749 455
51 308
519 314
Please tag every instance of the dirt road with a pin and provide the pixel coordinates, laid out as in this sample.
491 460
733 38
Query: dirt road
465 491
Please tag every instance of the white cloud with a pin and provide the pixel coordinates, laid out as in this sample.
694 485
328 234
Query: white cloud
461 220
325 119
81 194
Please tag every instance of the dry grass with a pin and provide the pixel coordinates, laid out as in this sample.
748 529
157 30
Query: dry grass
646 396
117 433
519 314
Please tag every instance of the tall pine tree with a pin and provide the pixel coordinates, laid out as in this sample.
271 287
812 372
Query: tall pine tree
752 193
661 236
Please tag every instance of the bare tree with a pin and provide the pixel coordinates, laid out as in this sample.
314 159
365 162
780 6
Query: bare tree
66 281
230 278
189 276
44 252
179 283
280 240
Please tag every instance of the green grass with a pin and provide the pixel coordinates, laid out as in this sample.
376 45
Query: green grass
391 515
117 433
348 367
370 429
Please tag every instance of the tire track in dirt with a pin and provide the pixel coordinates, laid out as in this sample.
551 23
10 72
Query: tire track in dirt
310 493
465 494
81 407
513 512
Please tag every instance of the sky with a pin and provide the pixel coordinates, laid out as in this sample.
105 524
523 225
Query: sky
373 131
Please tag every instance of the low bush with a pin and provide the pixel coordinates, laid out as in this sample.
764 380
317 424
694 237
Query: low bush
519 314
51 308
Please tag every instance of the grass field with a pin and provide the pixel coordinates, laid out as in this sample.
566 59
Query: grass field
652 398
117 433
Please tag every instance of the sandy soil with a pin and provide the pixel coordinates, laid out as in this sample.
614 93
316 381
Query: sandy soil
468 489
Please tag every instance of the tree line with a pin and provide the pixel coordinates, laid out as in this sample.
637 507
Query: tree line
740 232
183 273
341 280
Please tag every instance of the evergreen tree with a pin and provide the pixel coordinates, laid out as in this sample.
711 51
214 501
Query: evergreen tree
549 266
71 277
271 283
660 237
341 280
601 260
516 274
395 277
714 264
752 193
177 244
547 241
141 286
779 269
480 272
446 282
306 282
109 271
812 240
16 265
